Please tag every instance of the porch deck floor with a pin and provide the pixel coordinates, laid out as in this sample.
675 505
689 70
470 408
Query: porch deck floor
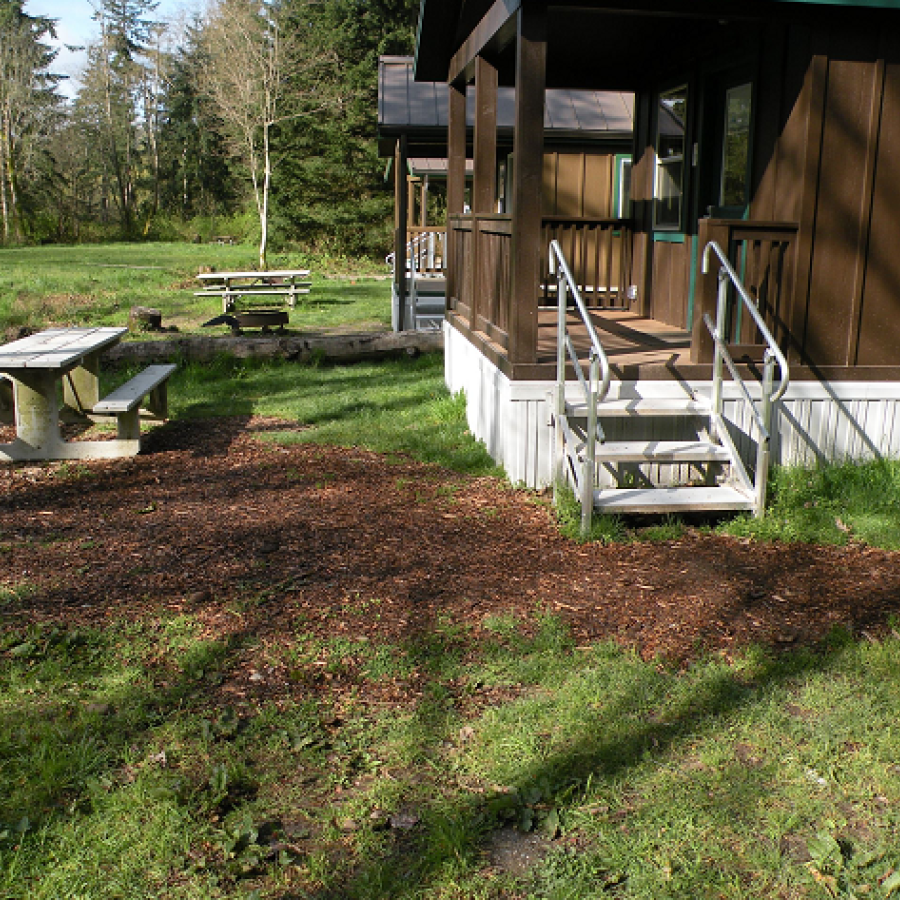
630 340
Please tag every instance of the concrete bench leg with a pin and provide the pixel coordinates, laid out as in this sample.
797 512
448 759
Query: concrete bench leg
129 425
81 386
158 401
37 410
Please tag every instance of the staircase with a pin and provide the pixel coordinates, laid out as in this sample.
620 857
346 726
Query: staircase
698 467
425 287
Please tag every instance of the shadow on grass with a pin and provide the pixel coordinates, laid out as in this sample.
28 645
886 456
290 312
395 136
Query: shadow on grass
453 833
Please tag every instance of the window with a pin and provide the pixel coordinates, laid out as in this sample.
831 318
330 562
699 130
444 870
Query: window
670 147
736 146
622 190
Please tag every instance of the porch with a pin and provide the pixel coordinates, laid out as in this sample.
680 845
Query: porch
519 336
828 413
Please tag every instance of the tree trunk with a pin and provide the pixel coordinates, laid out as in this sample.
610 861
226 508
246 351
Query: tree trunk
264 211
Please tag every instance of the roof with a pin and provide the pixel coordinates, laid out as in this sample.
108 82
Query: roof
419 109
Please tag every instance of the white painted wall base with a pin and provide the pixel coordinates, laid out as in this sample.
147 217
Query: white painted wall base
816 421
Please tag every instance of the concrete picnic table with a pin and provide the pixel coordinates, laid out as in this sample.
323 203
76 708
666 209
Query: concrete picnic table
37 364
230 286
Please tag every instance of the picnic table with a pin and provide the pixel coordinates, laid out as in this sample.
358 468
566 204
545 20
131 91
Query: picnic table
37 365
283 284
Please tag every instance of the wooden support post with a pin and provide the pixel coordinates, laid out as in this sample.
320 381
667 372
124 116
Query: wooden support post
484 189
456 179
400 219
410 201
528 150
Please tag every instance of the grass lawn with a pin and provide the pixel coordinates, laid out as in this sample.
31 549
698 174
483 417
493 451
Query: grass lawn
757 774
97 284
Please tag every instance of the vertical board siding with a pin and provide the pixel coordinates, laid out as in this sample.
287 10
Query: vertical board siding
840 231
578 184
671 282
879 323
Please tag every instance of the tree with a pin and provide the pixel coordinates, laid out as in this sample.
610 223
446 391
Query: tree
196 178
250 61
113 99
332 187
27 101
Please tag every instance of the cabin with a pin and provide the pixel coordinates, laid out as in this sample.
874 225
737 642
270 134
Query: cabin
748 311
587 158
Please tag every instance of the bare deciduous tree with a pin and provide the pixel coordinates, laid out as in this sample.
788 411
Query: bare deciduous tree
258 76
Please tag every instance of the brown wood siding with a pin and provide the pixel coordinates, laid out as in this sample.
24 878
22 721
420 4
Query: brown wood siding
836 250
827 132
879 323
578 184
671 282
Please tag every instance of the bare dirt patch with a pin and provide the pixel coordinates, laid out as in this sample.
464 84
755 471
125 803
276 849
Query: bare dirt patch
250 537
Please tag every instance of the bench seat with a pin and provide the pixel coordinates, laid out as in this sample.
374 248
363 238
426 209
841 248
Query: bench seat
125 401
250 292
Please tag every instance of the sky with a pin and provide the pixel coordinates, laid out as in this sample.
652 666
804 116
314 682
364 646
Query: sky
74 26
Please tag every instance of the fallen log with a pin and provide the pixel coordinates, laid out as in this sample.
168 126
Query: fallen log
342 348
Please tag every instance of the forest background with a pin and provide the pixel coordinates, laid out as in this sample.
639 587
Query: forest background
178 127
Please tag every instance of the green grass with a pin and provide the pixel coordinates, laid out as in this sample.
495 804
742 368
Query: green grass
765 776
395 406
829 504
97 284
123 775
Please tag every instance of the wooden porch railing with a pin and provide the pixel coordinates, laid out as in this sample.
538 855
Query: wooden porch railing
762 254
480 289
599 254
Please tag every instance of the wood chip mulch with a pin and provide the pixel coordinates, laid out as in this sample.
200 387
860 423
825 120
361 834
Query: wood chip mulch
253 538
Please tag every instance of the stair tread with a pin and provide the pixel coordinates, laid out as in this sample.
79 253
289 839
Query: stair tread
646 407
683 499
661 451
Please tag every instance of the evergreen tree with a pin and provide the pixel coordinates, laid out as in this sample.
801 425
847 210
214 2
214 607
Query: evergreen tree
113 101
332 186
196 177
28 104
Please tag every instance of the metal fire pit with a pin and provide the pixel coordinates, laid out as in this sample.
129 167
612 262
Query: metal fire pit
261 318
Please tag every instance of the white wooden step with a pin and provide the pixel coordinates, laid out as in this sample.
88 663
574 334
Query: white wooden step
637 408
661 451
719 498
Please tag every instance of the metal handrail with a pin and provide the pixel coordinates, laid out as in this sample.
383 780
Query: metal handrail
773 355
725 266
595 387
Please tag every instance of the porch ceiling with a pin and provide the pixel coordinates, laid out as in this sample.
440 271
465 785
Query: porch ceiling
618 44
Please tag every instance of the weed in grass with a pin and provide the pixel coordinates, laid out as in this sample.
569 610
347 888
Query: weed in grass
670 529
16 592
606 529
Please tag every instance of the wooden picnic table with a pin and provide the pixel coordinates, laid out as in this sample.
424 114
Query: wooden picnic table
37 364
285 284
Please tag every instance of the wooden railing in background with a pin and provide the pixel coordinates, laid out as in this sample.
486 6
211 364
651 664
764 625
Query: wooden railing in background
599 254
762 254
426 247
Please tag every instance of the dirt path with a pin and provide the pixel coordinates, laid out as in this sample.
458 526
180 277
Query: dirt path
246 535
